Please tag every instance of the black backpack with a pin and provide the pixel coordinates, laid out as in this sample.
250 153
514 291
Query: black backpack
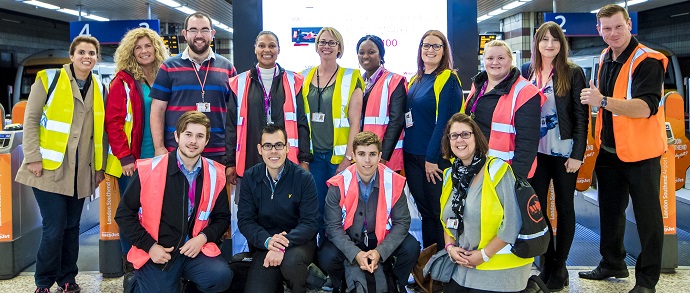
534 236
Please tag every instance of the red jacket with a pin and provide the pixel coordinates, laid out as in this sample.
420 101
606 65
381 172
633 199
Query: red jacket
115 113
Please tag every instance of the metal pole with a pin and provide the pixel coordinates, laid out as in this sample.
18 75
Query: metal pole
148 4
554 6
626 4
80 6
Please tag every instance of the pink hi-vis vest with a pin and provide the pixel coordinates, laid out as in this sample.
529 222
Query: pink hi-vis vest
152 176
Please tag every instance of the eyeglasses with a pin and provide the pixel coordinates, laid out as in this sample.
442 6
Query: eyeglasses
436 47
463 135
329 43
196 31
278 146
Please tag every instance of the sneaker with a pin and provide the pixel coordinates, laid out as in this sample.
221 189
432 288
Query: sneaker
42 290
69 288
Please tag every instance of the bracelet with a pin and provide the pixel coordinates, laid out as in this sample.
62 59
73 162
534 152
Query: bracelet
449 244
281 250
485 257
266 242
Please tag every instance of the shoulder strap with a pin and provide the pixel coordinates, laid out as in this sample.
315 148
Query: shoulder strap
53 84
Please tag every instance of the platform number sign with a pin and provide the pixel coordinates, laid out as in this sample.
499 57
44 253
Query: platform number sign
109 32
582 24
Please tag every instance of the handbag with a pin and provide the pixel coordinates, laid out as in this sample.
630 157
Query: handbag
440 267
424 281
533 238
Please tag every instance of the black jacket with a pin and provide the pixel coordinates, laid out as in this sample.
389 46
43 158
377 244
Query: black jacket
256 120
291 208
396 111
175 226
573 116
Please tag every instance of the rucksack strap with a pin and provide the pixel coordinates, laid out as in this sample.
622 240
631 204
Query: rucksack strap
53 84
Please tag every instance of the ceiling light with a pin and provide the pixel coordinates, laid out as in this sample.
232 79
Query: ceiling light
513 5
497 12
41 4
96 17
185 10
69 11
622 4
483 18
170 3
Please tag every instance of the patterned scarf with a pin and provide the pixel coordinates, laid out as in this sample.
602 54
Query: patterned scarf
461 178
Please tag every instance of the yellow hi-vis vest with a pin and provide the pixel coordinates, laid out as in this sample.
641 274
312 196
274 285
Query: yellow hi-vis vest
345 84
439 83
56 121
491 215
112 165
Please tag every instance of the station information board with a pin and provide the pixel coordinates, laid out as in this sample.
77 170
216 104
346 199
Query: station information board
483 39
172 43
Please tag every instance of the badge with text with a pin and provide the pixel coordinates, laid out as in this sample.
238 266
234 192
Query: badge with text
452 223
203 107
318 117
408 119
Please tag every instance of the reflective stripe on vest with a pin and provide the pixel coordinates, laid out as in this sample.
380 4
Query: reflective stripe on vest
491 215
626 130
113 166
152 176
56 119
345 84
390 182
376 114
240 85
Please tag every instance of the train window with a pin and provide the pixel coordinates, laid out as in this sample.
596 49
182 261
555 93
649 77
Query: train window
670 76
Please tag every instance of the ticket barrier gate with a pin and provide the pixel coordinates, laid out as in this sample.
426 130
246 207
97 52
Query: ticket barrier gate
20 219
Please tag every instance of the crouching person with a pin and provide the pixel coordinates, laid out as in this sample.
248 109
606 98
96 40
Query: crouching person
174 211
278 213
367 223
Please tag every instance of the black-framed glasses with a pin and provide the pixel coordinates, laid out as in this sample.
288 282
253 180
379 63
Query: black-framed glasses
463 135
268 146
436 47
329 43
197 31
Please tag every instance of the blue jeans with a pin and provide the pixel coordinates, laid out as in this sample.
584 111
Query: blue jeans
122 183
210 274
56 260
322 170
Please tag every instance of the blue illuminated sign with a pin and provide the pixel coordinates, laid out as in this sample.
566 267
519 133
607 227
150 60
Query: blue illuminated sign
582 24
109 32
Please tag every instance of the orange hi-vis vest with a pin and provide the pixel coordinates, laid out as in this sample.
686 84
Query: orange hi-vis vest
626 130
292 83
502 139
376 113
390 183
152 176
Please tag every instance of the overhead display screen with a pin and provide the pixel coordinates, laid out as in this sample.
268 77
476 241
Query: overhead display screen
399 23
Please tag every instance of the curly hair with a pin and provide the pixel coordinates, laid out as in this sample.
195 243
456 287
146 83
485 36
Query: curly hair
124 55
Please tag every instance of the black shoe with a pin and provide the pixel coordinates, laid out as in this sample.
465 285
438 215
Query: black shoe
42 290
69 288
558 279
600 273
640 289
545 273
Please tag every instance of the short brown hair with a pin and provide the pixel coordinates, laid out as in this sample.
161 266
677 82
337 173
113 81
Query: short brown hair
366 138
336 35
480 142
85 39
198 14
611 10
193 117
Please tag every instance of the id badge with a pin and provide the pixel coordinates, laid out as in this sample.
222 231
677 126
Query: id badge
318 117
408 119
452 223
543 122
203 107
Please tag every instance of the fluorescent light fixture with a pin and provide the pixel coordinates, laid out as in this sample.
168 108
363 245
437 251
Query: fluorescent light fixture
42 4
483 18
185 10
96 17
513 5
524 0
170 3
497 12
622 4
70 11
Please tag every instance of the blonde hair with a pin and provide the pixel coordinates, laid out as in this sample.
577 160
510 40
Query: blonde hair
124 55
499 43
336 35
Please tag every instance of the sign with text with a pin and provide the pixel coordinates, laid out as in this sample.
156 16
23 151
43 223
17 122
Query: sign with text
483 39
583 23
110 32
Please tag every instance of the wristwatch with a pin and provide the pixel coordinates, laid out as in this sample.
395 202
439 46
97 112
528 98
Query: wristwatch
484 256
604 102
348 157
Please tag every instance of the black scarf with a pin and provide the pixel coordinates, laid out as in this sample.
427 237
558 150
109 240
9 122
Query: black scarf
461 176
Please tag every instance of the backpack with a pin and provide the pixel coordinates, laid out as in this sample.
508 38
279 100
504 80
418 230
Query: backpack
533 238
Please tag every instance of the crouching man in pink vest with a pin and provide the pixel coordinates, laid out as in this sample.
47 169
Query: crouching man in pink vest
175 211
367 222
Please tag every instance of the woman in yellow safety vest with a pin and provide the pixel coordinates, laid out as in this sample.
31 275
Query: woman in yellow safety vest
479 213
138 57
333 103
64 158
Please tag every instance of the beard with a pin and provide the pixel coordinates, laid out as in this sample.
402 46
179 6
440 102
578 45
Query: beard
201 50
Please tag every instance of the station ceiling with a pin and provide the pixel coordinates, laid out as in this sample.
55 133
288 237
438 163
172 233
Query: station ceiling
222 11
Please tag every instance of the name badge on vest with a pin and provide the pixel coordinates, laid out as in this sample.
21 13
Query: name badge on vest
452 223
318 117
203 107
408 119
543 122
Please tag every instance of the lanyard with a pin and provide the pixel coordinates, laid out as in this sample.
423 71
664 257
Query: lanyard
372 81
199 78
267 94
538 79
190 192
319 90
481 94
416 86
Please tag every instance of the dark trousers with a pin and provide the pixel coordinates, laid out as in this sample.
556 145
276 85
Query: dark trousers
122 184
548 168
402 260
293 268
322 169
210 274
56 260
427 197
617 179
454 287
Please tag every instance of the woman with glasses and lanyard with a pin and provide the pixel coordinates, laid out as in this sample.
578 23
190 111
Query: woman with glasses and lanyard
333 103
480 214
562 142
434 95
266 94
506 106
384 100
